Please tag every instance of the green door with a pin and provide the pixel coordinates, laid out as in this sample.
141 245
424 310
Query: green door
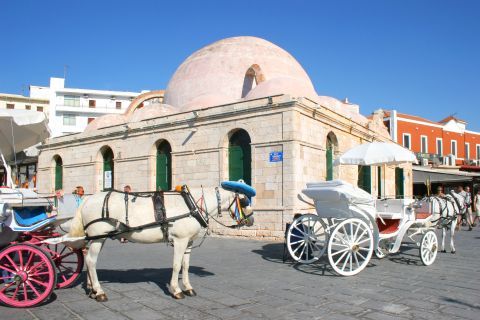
399 188
240 158
365 178
164 167
108 170
58 174
329 160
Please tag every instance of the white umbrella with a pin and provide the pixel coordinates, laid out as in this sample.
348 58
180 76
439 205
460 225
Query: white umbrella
20 129
376 153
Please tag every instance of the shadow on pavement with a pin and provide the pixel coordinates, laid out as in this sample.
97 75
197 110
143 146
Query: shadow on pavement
161 276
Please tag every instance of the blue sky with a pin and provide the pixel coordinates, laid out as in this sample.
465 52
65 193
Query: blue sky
417 56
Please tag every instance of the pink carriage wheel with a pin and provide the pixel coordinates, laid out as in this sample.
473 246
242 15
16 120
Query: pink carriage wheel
27 276
68 262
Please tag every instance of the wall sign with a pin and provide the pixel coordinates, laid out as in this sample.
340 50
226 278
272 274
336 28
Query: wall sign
276 156
107 182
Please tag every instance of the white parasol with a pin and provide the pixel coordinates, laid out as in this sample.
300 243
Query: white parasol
20 129
376 154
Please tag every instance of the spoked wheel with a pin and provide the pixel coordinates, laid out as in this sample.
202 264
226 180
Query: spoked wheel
27 276
68 262
428 248
306 238
350 247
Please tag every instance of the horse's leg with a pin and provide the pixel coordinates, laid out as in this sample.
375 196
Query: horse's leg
91 262
444 234
179 247
185 277
452 234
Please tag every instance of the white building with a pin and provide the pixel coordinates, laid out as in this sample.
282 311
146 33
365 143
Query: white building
72 109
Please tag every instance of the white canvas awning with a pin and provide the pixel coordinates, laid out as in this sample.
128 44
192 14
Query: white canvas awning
421 174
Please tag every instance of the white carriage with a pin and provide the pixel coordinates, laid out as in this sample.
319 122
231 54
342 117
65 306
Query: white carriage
350 226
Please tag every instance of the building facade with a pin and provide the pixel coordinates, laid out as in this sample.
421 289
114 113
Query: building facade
446 142
72 109
240 108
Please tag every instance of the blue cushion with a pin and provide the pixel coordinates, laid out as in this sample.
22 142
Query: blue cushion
28 216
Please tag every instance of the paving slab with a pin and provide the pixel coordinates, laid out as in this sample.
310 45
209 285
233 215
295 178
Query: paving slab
247 279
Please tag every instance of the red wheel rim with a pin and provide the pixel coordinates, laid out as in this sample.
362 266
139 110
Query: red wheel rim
27 276
68 262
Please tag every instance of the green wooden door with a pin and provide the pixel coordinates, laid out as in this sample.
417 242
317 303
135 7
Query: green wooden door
329 162
399 185
58 174
365 178
164 167
240 158
108 170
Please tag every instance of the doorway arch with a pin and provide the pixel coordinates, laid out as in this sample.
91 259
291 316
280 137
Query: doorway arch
163 180
108 168
240 157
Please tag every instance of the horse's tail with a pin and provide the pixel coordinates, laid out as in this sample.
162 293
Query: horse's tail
76 227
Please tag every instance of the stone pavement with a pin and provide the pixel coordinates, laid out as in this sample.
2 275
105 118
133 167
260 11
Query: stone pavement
240 279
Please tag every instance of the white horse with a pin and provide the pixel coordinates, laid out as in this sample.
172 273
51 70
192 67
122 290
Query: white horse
181 231
444 213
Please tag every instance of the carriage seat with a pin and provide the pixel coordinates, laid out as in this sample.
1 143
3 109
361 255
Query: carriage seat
423 210
29 216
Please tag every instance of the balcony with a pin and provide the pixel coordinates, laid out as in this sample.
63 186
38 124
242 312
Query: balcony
85 108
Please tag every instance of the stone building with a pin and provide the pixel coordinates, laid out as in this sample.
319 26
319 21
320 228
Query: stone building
239 108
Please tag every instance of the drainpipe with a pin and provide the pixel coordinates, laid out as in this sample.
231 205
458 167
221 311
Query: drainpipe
393 125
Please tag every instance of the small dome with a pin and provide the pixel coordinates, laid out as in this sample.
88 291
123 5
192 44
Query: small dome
108 120
151 111
281 85
228 69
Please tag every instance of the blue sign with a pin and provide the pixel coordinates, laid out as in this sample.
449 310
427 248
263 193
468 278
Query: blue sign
276 156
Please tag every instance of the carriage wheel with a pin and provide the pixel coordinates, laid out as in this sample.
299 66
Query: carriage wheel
306 238
350 247
428 248
27 276
68 262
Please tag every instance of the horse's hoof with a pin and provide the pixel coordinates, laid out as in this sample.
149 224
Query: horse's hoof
178 296
444 251
190 293
101 297
453 252
92 294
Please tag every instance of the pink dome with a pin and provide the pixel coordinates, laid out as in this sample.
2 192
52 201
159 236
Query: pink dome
205 101
105 121
221 70
281 85
151 111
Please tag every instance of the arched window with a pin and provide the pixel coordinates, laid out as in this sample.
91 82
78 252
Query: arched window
240 157
108 169
253 76
164 166
58 173
330 149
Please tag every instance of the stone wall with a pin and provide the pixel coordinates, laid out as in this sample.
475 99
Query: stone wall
199 145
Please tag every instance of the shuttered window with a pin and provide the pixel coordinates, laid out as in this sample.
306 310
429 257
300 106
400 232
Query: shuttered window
164 166
240 157
365 178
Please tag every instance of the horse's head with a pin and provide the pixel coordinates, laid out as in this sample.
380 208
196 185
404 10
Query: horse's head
459 200
219 200
239 203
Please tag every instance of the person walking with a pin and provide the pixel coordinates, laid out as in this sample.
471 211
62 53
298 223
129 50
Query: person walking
476 208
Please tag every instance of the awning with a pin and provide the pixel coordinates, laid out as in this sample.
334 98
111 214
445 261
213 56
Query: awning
421 174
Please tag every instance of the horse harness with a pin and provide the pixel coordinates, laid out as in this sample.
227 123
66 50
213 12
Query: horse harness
442 201
158 202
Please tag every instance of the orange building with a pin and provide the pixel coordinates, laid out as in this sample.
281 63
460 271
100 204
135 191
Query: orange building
446 142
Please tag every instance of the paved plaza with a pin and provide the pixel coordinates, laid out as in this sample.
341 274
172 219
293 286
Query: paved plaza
240 279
